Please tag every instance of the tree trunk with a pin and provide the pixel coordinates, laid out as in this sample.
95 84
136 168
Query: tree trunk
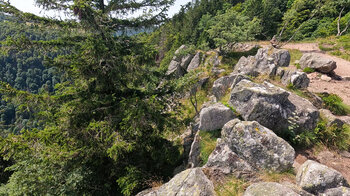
338 23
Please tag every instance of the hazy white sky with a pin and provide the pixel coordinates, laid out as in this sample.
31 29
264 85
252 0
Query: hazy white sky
29 6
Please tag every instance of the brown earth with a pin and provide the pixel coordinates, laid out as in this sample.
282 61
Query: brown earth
339 87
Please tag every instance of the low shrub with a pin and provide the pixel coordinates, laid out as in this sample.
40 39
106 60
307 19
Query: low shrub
335 104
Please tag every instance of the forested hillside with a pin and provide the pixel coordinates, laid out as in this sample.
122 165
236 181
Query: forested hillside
111 103
24 70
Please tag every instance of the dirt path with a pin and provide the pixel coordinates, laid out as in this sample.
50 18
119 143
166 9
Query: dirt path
341 88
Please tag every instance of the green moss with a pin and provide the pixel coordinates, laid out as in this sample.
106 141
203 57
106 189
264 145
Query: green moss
208 144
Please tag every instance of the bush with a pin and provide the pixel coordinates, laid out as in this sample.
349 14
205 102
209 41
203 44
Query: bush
335 104
308 70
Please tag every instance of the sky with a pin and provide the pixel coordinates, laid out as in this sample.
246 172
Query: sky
29 6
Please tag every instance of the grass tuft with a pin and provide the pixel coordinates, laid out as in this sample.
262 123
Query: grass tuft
208 144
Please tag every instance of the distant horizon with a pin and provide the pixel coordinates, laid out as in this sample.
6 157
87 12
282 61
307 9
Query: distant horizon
29 6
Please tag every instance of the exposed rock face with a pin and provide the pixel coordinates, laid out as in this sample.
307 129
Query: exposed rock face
273 107
222 84
178 63
195 62
269 189
228 162
194 155
296 78
185 61
215 117
262 62
187 183
331 118
317 62
281 57
257 145
340 191
316 178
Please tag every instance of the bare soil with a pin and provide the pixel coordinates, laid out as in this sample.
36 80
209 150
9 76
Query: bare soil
339 87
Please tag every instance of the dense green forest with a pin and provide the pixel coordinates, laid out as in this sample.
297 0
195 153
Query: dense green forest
84 107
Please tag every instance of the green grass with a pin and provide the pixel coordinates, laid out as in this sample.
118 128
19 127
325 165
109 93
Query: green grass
308 70
294 55
231 187
338 46
208 144
333 136
335 104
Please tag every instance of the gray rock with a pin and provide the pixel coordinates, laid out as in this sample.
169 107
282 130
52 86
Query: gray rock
215 117
296 189
269 189
317 62
273 107
228 162
194 155
257 145
195 62
300 113
222 84
241 47
340 191
326 78
316 178
280 72
175 69
191 182
185 61
217 71
263 63
331 118
298 79
281 57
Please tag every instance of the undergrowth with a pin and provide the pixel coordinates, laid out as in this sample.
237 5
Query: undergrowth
208 144
231 187
333 136
335 104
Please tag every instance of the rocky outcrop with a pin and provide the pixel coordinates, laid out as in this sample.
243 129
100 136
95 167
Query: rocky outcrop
240 47
340 191
187 183
281 57
227 161
257 145
317 62
273 107
269 189
176 65
195 62
316 178
194 155
222 84
215 117
298 79
263 63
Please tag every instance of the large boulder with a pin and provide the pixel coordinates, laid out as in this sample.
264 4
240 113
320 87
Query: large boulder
195 62
269 189
281 57
191 182
258 145
263 63
340 191
222 84
227 161
317 62
179 63
215 117
316 178
185 61
273 107
296 78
